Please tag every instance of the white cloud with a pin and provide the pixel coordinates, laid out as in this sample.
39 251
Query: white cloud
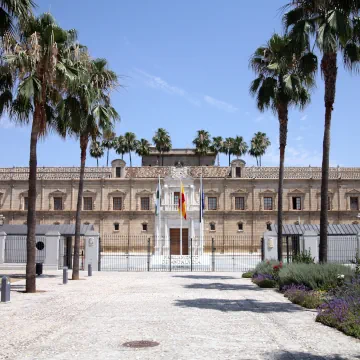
303 118
157 82
294 156
221 105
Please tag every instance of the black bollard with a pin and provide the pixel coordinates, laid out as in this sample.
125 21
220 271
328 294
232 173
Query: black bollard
5 289
89 270
65 275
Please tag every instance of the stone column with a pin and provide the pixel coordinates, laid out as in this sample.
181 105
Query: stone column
270 245
311 243
2 246
91 250
51 261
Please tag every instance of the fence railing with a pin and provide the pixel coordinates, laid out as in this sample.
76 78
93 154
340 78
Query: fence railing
15 249
210 253
66 252
343 249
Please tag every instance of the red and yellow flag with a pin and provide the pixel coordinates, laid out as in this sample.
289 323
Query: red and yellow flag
182 203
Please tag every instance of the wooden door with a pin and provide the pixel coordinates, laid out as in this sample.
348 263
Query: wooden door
175 241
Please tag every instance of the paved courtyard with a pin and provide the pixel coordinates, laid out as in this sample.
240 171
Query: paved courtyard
192 316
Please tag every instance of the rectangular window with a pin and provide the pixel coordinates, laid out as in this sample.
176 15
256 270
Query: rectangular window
117 203
88 203
296 203
144 227
118 172
354 203
268 203
212 203
239 203
26 203
176 198
58 203
145 203
329 203
238 172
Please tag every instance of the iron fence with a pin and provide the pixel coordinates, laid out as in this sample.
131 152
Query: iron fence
291 247
66 252
147 253
342 249
16 249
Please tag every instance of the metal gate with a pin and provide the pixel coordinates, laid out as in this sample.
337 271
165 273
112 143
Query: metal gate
291 246
16 249
212 253
66 252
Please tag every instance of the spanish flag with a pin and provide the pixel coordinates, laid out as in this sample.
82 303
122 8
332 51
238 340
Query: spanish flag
182 203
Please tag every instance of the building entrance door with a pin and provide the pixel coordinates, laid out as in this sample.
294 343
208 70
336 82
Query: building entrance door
175 241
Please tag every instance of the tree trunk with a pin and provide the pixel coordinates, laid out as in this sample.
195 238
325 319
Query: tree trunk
97 162
229 158
31 212
329 70
162 159
107 158
260 160
283 121
218 159
130 158
199 160
76 263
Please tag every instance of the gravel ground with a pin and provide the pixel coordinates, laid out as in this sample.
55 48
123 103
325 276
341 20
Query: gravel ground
192 316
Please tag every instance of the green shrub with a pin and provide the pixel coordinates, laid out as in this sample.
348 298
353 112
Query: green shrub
307 299
266 283
266 267
303 258
248 274
314 276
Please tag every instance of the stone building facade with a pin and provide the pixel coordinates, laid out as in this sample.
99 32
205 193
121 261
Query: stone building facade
238 199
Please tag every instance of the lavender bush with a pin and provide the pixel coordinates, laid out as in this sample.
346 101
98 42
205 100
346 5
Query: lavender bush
302 295
342 308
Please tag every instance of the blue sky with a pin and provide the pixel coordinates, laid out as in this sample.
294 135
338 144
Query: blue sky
184 67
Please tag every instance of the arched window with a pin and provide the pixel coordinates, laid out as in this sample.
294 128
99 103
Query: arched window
212 226
240 226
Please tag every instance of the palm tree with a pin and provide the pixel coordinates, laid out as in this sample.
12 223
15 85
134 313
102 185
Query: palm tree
283 79
85 113
202 143
11 11
40 62
217 146
259 143
108 142
330 24
130 143
240 147
96 151
162 142
142 147
228 147
120 146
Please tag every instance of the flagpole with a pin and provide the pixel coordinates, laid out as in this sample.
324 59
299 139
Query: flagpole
201 214
180 199
159 204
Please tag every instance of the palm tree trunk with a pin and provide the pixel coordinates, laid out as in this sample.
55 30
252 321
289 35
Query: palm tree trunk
229 158
130 158
162 159
329 69
199 160
218 159
31 214
76 263
283 120
107 158
97 162
260 160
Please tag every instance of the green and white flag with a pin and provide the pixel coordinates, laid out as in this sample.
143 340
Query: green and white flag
158 197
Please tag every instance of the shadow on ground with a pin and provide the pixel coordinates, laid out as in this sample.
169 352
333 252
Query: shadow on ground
221 286
206 277
305 356
226 305
23 276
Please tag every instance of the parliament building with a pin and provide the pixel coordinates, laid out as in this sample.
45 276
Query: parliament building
237 199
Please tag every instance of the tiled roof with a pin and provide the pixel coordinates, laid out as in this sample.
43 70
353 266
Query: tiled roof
338 229
63 229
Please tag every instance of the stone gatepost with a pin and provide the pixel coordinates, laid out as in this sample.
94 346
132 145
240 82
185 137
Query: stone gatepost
270 245
2 246
52 250
311 243
91 250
